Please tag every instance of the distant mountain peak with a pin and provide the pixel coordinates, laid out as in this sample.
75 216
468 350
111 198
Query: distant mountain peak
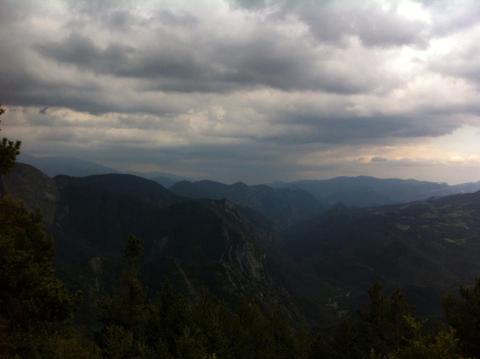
71 166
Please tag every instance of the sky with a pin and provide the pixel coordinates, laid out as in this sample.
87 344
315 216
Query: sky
247 90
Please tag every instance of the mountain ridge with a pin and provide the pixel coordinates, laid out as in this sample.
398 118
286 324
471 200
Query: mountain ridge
282 206
195 243
367 191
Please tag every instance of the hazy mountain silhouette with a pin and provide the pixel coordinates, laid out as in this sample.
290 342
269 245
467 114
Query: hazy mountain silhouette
367 191
282 206
59 165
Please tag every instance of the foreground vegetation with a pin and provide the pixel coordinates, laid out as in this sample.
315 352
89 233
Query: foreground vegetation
39 317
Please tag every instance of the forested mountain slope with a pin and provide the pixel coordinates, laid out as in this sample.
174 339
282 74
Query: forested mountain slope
195 244
425 248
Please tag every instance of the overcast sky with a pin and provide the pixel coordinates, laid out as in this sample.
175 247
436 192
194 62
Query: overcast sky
247 90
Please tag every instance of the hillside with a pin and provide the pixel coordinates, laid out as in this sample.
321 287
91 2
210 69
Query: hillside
122 185
193 243
425 247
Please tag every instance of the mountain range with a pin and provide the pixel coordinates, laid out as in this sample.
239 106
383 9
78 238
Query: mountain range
362 191
257 241
55 165
365 191
194 243
71 166
283 206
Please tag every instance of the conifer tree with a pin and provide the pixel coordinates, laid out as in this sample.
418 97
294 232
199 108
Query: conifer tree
9 150
35 308
124 312
463 314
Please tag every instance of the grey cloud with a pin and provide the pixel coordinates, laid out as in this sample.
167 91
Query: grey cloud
14 11
250 4
79 50
463 63
24 80
204 65
312 125
171 18
169 61
378 159
334 21
449 17
367 21
95 8
27 89
159 75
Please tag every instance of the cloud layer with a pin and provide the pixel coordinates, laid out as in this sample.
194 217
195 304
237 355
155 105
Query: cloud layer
247 90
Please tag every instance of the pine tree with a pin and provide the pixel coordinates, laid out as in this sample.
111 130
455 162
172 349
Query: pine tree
463 314
124 312
387 329
35 308
9 150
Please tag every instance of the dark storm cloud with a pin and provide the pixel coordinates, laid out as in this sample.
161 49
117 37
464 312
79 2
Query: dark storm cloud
81 51
26 89
378 129
204 64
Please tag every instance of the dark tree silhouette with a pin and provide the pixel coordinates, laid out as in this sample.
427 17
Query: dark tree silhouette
9 150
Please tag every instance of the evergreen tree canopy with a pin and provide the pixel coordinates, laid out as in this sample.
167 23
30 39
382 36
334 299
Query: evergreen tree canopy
35 308
463 314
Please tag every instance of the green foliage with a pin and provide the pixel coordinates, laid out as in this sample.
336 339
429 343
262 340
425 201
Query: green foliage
166 325
386 329
9 150
121 343
133 252
35 308
124 313
32 298
440 345
463 314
